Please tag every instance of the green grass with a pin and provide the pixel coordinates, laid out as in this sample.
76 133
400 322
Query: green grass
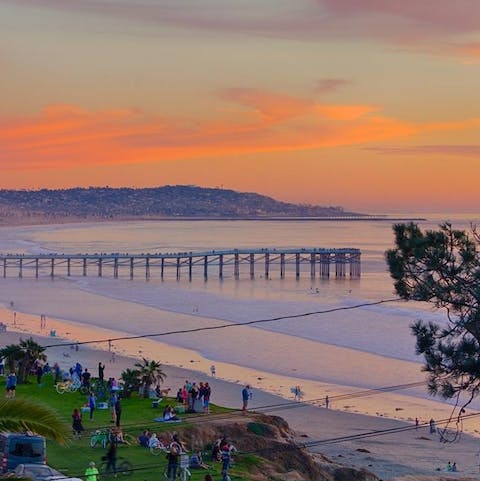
137 415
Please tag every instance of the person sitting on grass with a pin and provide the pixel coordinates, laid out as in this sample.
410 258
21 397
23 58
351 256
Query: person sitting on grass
169 414
154 442
196 461
144 439
117 437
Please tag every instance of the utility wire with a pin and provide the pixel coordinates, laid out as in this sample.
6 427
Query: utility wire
202 418
224 326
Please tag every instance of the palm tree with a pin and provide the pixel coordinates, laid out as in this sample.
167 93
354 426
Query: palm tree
131 381
31 351
11 353
23 415
150 373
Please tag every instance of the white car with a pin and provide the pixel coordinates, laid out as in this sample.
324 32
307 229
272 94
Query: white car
41 472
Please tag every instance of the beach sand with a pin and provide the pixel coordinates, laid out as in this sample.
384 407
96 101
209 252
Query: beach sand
412 452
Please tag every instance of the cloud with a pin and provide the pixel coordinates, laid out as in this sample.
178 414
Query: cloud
64 136
423 24
327 85
468 150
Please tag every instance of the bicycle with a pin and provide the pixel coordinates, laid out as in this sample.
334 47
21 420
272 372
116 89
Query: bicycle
100 437
66 386
123 467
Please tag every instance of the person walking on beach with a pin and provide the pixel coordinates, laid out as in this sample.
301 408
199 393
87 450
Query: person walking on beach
91 473
433 428
213 370
327 402
245 398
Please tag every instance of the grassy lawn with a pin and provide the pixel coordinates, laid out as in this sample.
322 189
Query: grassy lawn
137 415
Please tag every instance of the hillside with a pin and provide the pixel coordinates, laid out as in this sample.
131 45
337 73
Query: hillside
105 203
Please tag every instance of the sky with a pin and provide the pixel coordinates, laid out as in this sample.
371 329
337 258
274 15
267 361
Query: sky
373 105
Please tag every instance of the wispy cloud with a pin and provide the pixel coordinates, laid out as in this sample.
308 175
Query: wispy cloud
261 121
327 85
405 23
470 150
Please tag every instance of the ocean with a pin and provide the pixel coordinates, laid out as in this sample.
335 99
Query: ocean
358 348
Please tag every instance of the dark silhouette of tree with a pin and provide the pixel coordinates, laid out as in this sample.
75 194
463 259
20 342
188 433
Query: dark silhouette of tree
443 268
31 351
12 354
150 373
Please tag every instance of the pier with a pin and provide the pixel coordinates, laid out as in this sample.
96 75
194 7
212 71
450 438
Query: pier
220 263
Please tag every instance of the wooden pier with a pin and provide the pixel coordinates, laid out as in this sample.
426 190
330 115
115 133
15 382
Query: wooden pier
264 262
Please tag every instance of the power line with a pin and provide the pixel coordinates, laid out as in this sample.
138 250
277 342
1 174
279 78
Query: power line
202 418
224 326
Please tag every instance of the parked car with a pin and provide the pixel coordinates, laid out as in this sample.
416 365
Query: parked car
41 472
18 448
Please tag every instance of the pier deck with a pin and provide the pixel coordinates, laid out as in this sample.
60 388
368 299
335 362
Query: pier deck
222 263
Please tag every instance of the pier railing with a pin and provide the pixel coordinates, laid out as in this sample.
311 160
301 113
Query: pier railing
222 263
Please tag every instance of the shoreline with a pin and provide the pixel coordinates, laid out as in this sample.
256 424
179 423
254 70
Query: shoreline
41 221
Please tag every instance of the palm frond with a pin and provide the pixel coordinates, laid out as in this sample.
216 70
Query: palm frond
23 415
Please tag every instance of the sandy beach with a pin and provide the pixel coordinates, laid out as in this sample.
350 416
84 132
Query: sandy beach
411 452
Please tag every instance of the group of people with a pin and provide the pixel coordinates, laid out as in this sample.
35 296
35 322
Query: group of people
195 397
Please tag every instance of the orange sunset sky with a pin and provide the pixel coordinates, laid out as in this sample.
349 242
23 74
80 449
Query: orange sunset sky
373 105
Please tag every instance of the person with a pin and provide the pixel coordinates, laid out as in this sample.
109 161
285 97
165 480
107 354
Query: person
11 384
39 374
432 426
77 425
454 467
213 370
226 458
117 437
216 449
111 458
172 467
169 414
417 423
91 473
153 442
178 443
101 372
327 402
196 461
144 439
86 378
2 367
245 398
193 396
179 395
185 396
57 373
113 402
449 466
47 369
207 392
118 411
92 402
